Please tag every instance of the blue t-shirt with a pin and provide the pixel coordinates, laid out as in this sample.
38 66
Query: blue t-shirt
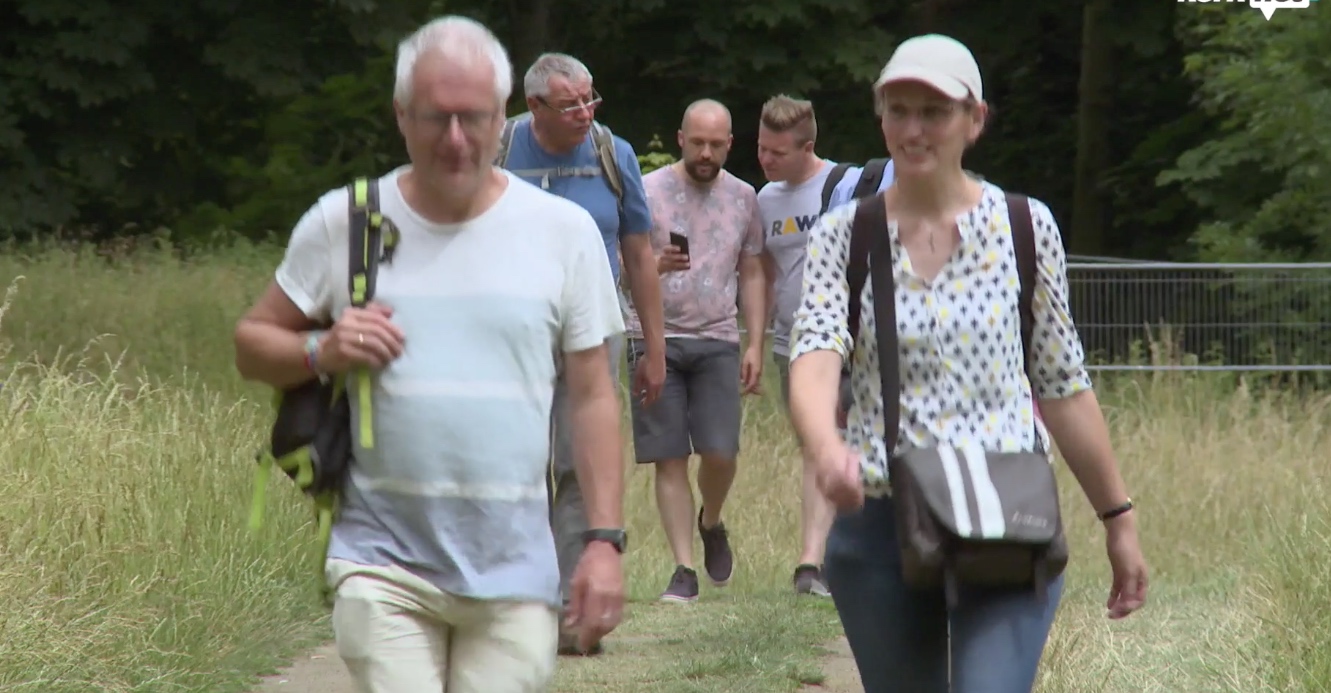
593 194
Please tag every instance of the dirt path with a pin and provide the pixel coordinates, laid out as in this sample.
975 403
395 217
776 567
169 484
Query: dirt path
321 671
839 668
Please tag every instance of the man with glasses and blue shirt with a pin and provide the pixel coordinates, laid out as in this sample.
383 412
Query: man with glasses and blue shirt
559 146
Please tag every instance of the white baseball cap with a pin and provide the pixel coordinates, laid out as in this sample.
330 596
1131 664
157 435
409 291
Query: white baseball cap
941 62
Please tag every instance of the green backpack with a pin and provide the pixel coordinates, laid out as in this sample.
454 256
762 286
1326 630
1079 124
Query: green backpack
311 437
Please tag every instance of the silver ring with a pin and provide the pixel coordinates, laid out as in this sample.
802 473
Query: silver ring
361 337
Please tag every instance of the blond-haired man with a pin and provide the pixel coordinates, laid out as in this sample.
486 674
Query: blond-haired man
790 203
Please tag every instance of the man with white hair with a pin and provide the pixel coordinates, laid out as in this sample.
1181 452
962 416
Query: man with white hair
441 557
559 146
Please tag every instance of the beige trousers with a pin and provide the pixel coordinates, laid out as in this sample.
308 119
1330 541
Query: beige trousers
399 634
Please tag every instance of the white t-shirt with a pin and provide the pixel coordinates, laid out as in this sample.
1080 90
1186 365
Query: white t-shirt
454 487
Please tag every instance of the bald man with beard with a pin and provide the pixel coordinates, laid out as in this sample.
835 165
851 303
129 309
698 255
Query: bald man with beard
707 235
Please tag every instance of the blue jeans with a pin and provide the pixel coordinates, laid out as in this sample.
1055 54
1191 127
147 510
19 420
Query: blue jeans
899 636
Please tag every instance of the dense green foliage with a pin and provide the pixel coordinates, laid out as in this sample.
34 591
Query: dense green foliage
1158 130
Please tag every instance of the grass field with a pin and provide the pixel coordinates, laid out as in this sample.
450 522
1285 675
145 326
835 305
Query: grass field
126 460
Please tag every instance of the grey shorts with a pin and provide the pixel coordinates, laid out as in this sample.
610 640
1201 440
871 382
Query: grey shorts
699 407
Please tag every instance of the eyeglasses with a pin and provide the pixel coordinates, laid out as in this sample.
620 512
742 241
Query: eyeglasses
589 104
473 123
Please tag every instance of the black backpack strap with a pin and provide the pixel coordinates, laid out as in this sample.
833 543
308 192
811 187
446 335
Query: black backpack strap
365 237
829 186
871 176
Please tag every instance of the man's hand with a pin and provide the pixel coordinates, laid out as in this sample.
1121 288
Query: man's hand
361 337
649 377
671 260
751 371
837 471
596 604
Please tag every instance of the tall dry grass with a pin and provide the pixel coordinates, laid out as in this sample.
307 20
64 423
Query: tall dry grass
126 446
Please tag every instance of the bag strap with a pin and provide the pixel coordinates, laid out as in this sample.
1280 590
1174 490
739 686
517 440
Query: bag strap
829 186
872 223
1023 244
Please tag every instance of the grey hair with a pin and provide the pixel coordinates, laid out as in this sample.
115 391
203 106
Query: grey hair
457 39
536 83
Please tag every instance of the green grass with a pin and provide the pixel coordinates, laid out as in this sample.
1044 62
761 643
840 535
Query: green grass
126 461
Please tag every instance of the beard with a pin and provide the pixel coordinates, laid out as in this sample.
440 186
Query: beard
701 172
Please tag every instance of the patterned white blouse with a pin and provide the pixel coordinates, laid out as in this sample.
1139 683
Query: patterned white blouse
960 336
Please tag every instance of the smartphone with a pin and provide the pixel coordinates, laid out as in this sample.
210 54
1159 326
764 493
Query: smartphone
680 241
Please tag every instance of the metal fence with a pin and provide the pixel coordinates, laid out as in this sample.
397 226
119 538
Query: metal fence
1198 316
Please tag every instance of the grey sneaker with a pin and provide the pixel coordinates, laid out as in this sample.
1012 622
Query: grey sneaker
808 579
683 586
717 556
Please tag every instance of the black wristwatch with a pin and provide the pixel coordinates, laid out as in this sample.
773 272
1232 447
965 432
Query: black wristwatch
617 538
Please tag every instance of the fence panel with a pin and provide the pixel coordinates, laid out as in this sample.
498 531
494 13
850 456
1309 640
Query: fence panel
1199 316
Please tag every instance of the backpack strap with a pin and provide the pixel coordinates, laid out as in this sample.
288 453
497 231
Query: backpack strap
604 141
833 178
871 176
506 137
371 237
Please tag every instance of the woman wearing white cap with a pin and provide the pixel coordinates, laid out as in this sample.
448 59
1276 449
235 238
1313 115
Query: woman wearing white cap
963 394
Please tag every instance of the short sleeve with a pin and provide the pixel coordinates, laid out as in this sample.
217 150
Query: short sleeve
754 240
822 319
305 273
590 303
1058 366
637 216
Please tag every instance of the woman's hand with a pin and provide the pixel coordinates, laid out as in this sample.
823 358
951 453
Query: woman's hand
1128 591
837 472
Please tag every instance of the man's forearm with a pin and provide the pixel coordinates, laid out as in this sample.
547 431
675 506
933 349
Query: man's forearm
599 454
753 296
645 287
1082 436
271 354
769 287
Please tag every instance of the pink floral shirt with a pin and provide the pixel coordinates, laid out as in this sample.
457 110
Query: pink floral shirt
722 223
